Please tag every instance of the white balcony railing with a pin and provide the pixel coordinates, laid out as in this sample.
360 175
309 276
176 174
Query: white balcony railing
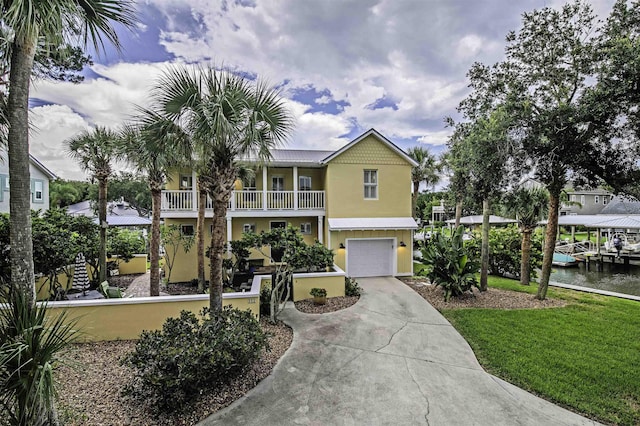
248 200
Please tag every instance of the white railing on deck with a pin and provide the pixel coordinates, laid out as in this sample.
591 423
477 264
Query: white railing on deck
249 200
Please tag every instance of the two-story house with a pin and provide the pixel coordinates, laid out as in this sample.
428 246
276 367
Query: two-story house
583 202
356 201
40 177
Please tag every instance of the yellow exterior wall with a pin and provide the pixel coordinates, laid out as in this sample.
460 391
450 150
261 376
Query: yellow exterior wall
186 264
334 284
345 182
43 286
137 265
404 258
125 319
173 183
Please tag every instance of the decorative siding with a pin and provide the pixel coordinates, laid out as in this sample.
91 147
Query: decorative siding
370 151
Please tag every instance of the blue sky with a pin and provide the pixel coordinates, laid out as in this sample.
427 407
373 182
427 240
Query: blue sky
343 66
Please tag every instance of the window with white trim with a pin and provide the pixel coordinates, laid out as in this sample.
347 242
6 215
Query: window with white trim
596 199
605 199
370 184
186 182
249 227
188 230
38 191
582 200
305 228
304 183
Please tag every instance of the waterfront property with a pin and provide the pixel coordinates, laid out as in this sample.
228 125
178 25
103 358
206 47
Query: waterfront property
356 201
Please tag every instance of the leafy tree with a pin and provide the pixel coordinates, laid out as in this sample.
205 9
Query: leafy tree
95 151
449 264
46 24
425 172
227 117
529 206
134 189
125 243
154 145
566 129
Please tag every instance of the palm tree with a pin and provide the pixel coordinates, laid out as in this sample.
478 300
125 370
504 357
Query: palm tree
153 145
529 205
42 23
95 151
227 117
426 171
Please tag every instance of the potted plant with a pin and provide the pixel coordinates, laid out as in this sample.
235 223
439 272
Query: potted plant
319 295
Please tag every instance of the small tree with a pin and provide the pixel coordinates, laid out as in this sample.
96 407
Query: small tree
173 238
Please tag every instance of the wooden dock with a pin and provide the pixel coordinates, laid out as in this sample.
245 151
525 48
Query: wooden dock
597 260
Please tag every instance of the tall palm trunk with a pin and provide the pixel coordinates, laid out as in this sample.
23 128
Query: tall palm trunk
202 201
20 237
223 179
414 198
154 244
484 270
525 250
102 218
549 243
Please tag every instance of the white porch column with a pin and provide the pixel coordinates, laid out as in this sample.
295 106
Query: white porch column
194 191
229 230
320 229
264 187
295 187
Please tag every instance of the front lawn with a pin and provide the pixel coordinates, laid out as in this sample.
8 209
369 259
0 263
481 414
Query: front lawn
584 356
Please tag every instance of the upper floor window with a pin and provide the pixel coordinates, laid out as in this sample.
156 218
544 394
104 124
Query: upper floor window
573 198
371 184
186 182
277 183
582 200
38 190
5 186
305 183
249 183
605 199
596 199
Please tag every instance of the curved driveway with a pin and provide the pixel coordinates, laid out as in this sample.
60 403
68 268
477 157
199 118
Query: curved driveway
391 359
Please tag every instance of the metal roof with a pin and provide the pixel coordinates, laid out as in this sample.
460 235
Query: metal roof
600 221
371 223
126 220
477 220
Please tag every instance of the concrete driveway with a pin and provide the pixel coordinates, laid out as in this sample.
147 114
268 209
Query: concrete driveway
391 359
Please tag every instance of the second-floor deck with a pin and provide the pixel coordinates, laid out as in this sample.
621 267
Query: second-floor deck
185 201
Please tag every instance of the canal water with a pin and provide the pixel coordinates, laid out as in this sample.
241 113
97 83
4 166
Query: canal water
617 278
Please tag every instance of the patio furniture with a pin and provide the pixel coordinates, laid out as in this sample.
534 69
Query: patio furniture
110 292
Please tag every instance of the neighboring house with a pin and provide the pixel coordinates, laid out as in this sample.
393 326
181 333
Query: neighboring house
119 213
591 201
40 177
356 201
622 206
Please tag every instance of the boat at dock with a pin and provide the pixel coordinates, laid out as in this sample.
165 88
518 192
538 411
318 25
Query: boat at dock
564 260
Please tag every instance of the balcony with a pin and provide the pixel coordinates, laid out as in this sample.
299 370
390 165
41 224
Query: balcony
248 201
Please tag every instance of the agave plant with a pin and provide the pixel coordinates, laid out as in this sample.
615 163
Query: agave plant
449 265
31 343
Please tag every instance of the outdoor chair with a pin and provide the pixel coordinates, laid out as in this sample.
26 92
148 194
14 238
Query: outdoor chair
110 292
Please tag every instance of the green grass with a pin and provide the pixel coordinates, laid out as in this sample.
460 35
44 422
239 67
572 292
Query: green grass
585 356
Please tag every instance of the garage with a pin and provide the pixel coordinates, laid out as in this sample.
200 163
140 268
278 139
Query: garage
370 257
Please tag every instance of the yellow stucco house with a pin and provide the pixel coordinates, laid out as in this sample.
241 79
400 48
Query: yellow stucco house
356 201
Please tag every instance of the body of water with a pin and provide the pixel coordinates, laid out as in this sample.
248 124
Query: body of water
616 278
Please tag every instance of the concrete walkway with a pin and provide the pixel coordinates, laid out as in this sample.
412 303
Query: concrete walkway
391 359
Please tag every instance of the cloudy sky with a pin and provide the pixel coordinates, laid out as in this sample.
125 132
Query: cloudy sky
398 66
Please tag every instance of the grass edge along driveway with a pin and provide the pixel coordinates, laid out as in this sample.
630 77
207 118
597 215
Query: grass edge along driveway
585 356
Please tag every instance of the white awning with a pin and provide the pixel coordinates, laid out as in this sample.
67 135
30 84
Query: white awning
371 223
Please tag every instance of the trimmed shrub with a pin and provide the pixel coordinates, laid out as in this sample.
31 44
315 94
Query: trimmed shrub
351 287
190 355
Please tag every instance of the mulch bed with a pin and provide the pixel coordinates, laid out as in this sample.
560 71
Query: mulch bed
333 304
91 381
492 298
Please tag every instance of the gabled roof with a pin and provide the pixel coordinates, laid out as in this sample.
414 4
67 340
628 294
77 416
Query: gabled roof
42 167
622 205
371 132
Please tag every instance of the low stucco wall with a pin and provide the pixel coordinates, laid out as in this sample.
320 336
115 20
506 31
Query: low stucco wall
333 282
136 265
125 319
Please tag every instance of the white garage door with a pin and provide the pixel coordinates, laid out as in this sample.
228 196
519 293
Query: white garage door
369 258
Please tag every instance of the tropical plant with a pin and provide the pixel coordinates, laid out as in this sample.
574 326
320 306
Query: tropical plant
173 239
425 172
154 145
318 292
96 151
529 206
190 355
351 287
449 264
227 117
31 341
40 26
